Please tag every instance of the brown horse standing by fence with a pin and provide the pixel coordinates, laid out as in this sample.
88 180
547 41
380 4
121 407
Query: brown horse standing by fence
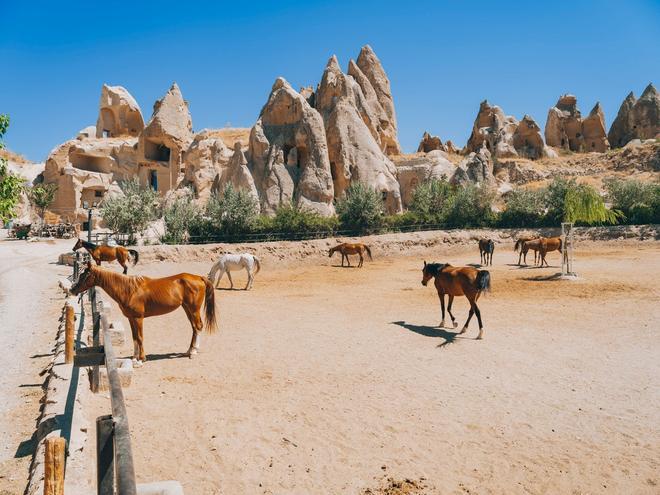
142 297
458 281
549 244
520 244
345 249
486 250
109 253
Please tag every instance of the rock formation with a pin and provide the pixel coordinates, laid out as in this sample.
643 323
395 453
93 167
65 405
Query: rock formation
476 167
637 119
594 132
237 174
563 129
494 130
411 171
119 113
430 143
289 155
449 145
370 66
163 141
205 159
352 149
528 142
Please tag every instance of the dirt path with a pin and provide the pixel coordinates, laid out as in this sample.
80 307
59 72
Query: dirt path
29 308
327 380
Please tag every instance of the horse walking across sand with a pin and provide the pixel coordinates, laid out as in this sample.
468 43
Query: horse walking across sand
346 248
520 245
141 297
229 262
109 253
486 250
458 281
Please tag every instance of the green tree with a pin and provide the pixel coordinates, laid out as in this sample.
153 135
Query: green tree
361 208
524 208
42 196
472 207
233 212
131 212
11 185
568 201
178 217
639 201
432 199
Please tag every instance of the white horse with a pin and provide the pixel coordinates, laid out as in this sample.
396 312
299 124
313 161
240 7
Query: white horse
229 262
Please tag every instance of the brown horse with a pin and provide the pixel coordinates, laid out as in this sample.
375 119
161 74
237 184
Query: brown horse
109 253
520 244
486 250
142 297
345 249
549 244
458 281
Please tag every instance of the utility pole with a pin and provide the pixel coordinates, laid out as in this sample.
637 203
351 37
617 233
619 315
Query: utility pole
89 225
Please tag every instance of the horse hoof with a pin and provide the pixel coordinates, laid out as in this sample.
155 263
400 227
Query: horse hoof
480 336
442 324
463 330
137 363
455 324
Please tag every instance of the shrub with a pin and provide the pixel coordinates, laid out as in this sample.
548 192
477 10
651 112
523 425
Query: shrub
524 208
131 212
11 185
295 219
431 200
361 208
568 201
178 216
233 212
471 206
639 201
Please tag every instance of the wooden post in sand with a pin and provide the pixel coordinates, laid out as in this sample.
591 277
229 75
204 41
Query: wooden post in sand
54 466
69 325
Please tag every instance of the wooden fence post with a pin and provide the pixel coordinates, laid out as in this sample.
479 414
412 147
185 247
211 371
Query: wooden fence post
54 466
69 331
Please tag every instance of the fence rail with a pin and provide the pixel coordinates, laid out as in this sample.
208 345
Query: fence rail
114 461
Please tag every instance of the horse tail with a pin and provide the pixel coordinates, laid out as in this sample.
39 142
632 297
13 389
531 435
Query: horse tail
518 245
135 255
560 244
368 252
209 307
256 262
483 281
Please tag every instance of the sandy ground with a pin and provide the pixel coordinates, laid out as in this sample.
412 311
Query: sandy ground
329 380
29 307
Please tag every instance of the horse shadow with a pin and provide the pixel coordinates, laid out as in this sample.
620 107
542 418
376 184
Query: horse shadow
345 266
476 265
428 331
166 355
544 278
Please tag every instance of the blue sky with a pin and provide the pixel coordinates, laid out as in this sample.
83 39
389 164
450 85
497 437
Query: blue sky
442 58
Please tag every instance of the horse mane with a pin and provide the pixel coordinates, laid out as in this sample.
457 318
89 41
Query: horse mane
88 245
124 284
435 268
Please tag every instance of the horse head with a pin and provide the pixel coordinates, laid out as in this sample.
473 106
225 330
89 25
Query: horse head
331 251
86 280
431 270
78 245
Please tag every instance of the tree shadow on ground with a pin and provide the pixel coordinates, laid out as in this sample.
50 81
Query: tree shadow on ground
544 278
428 331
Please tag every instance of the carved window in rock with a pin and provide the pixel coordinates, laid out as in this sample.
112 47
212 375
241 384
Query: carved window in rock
157 152
414 183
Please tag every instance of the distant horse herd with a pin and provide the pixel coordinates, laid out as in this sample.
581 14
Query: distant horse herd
140 297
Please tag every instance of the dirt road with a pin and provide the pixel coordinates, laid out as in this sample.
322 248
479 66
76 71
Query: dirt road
29 307
326 380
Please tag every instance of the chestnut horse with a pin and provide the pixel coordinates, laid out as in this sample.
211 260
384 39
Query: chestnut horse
345 249
520 244
458 281
109 253
142 297
486 250
549 244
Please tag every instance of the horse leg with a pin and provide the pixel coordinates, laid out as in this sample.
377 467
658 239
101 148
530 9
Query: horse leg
361 259
138 353
221 273
195 320
442 308
481 326
348 260
123 263
453 320
465 327
230 280
342 260
250 277
134 332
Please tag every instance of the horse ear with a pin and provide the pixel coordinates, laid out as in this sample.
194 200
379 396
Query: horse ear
424 262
